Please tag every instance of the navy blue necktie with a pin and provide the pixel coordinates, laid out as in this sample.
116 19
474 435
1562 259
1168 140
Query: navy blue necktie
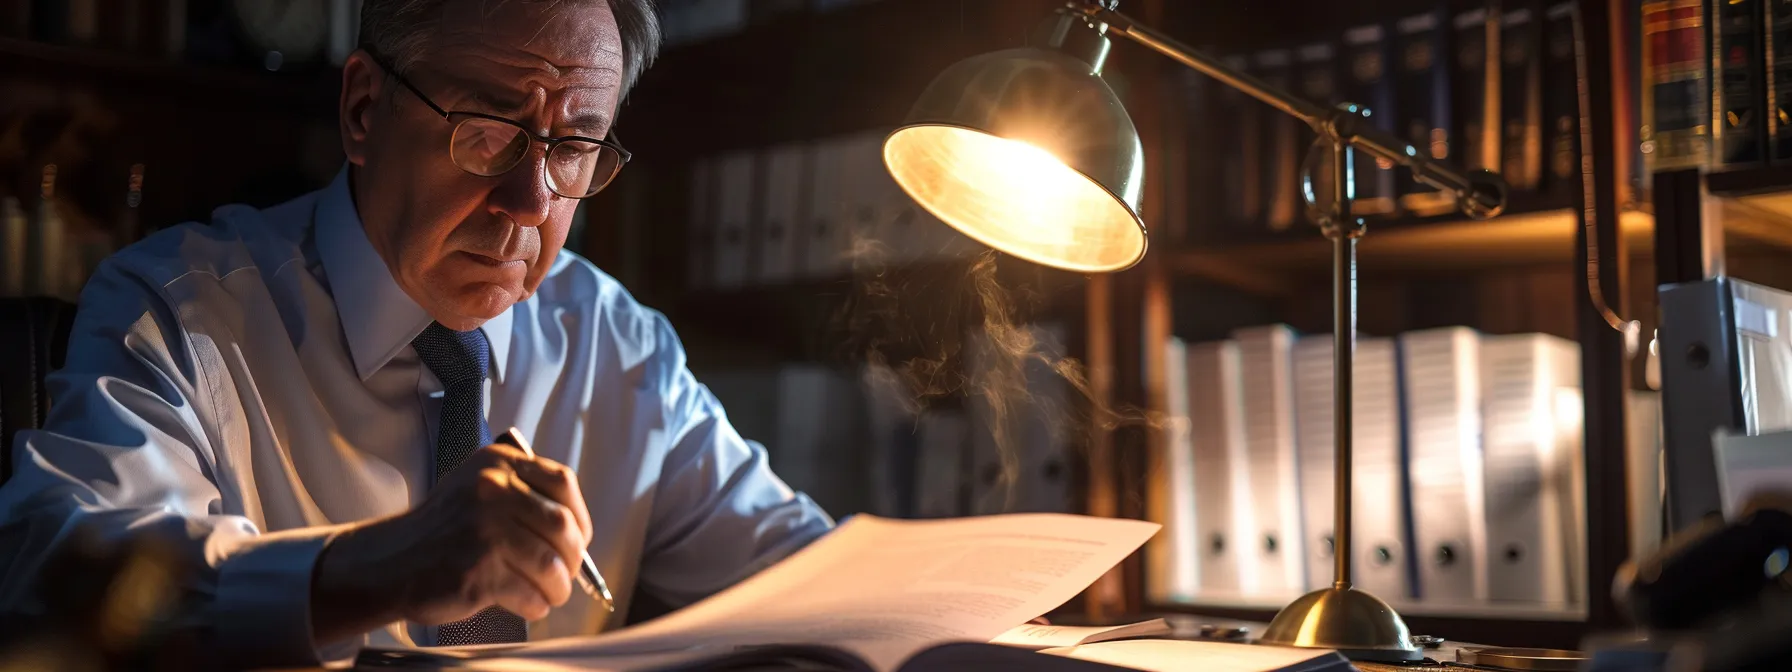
460 359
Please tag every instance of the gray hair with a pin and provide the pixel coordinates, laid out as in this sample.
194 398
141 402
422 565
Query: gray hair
399 31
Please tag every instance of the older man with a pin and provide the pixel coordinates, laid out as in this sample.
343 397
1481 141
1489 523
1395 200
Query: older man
302 397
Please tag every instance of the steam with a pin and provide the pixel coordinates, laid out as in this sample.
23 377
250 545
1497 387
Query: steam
955 334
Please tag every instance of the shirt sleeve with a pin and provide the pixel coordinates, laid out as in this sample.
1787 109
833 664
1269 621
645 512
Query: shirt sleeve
130 450
720 514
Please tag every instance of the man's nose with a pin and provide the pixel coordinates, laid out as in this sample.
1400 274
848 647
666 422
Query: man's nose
522 193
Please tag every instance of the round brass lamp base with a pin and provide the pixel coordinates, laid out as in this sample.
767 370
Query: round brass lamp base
1357 624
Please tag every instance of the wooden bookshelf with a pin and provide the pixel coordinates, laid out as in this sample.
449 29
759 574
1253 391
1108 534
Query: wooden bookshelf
310 91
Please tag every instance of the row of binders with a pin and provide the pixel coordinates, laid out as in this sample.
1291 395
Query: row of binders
1467 469
807 210
1484 87
1716 76
861 441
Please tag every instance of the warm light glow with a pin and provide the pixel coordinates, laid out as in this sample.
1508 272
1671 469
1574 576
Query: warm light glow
1015 197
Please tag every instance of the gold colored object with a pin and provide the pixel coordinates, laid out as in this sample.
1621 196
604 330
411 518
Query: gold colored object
1028 151
1525 660
1358 624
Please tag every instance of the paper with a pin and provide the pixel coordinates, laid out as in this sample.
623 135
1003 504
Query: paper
1049 636
885 589
1165 655
1750 465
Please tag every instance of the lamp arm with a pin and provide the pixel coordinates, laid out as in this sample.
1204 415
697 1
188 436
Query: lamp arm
1479 193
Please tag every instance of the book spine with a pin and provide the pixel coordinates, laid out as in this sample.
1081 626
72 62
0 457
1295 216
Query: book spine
1675 132
1476 90
1521 90
1561 103
1423 88
1779 79
1368 82
1316 76
1282 150
1738 92
1239 129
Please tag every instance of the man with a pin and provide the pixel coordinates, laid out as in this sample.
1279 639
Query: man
302 397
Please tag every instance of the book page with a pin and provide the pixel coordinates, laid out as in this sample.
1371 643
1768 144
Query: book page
1047 636
1165 655
885 589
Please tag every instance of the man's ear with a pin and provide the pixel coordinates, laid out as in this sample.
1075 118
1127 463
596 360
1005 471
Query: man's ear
363 85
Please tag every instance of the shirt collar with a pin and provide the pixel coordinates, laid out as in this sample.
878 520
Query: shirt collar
378 318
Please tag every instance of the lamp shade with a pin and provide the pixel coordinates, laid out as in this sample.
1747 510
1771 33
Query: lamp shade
1027 151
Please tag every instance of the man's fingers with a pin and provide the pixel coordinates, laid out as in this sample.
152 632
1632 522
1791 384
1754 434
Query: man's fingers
517 592
560 484
539 520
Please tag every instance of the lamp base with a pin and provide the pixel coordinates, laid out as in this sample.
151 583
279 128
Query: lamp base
1355 623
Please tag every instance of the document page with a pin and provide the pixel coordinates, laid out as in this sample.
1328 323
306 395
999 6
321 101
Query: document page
885 589
1034 636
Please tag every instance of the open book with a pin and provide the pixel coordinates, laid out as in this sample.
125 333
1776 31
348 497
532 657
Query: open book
875 594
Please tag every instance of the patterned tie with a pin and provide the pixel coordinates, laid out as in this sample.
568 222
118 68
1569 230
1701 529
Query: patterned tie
460 359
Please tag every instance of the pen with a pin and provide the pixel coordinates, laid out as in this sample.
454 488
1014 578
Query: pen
589 579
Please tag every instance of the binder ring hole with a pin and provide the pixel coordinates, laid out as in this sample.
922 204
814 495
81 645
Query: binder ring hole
1327 546
1217 544
1446 555
1383 555
1269 543
1698 355
1514 553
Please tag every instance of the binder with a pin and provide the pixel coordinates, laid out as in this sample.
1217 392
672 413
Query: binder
1223 514
1316 77
1172 556
1675 60
1369 82
825 236
704 240
942 444
1023 468
874 235
817 425
734 219
1281 144
1531 447
1442 394
781 206
1423 87
1380 556
1521 96
893 429
1266 374
1476 90
1739 94
1778 77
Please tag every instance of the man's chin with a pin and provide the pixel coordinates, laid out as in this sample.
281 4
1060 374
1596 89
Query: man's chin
473 304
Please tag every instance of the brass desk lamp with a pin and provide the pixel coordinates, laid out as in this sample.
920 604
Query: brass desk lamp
1028 151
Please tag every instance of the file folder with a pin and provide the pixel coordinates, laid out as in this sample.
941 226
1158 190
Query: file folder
1380 514
1223 515
1532 447
1442 392
781 213
1267 395
1172 555
734 219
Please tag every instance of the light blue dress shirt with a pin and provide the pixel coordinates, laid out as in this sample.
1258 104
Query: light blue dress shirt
248 387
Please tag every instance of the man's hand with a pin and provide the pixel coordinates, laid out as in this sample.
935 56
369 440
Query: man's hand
503 529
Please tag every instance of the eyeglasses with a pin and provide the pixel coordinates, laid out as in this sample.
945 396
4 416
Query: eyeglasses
489 146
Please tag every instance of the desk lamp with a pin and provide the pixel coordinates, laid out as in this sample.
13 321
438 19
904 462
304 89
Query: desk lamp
1028 151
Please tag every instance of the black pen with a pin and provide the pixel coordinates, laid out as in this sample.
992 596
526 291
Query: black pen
589 579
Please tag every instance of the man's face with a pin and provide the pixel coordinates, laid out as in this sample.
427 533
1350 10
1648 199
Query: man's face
466 247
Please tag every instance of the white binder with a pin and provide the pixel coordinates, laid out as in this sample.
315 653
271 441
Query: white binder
825 235
1266 375
816 446
781 213
1223 515
1440 378
1530 449
734 219
1172 556
1024 468
941 444
873 237
1379 506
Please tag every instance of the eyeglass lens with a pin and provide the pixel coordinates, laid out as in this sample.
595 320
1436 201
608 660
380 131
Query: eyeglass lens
575 169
